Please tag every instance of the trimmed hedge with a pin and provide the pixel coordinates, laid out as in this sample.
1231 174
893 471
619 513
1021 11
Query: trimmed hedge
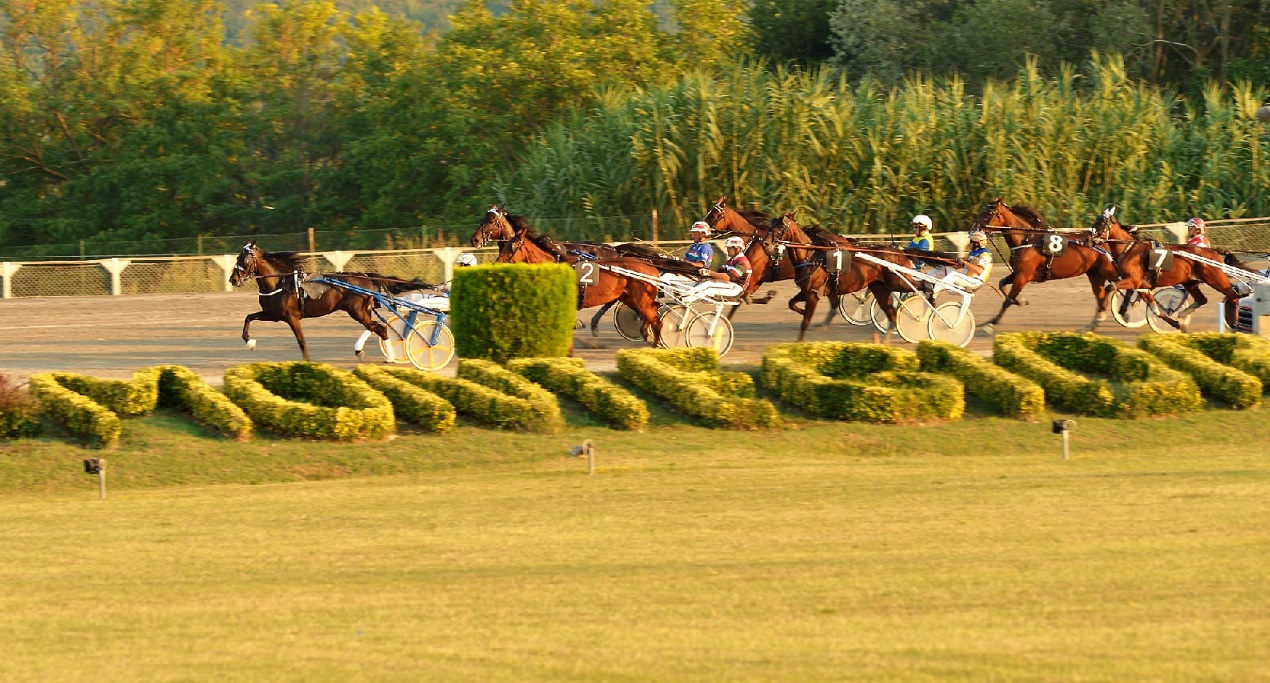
1246 352
860 382
1012 395
510 311
136 397
181 388
413 403
1144 384
569 377
543 405
336 404
488 405
81 415
691 381
19 411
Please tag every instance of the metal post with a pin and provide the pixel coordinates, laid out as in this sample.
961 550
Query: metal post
1064 444
101 480
590 458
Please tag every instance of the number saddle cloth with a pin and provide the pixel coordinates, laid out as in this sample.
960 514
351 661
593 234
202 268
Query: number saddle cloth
687 289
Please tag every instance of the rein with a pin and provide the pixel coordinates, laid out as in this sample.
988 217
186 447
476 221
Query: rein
866 250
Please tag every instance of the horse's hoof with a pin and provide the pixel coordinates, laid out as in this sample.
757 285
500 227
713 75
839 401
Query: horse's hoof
595 332
361 355
1021 301
989 329
251 344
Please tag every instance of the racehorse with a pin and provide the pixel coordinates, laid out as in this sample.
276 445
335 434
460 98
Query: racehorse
282 298
1141 267
1039 254
812 277
767 263
523 246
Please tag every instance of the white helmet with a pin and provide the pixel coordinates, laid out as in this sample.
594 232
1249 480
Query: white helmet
700 226
734 241
978 236
923 220
1198 225
465 259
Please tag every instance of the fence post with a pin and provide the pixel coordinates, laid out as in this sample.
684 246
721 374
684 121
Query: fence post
7 271
447 256
115 267
655 240
226 263
312 242
339 258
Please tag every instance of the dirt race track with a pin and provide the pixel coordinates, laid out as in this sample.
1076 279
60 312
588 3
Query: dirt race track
110 337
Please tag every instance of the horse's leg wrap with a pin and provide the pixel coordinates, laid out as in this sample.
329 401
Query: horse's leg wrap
360 344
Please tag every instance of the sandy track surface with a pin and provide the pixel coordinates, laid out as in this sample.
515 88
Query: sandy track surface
112 336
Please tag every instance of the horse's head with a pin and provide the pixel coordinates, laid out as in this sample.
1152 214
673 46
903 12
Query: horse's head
990 212
494 227
996 214
1107 228
249 260
717 216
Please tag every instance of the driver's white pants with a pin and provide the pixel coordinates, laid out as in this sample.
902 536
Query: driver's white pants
956 278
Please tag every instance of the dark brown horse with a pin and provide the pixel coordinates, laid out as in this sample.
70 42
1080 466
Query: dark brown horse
279 276
1146 264
1040 254
809 264
523 246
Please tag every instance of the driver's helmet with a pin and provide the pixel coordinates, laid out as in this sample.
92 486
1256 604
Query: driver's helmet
978 236
734 241
1197 226
922 222
465 259
700 226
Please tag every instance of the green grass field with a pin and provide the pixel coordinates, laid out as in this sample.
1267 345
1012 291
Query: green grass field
966 551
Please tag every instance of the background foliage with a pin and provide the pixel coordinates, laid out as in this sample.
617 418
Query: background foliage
152 120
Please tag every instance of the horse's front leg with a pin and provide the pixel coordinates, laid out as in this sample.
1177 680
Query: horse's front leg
258 315
1099 285
1012 299
294 322
809 310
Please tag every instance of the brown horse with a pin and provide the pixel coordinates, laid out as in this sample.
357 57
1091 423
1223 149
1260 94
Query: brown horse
282 299
523 246
1146 264
767 263
1040 254
809 263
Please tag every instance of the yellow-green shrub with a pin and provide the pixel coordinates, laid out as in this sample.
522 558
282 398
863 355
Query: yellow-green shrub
81 415
1246 352
477 401
516 310
543 406
1222 382
569 377
865 382
337 405
183 389
1144 384
1009 393
691 381
411 402
136 397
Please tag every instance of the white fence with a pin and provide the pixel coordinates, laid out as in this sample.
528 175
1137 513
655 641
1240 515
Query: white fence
190 274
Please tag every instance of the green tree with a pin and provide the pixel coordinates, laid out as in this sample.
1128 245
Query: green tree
795 31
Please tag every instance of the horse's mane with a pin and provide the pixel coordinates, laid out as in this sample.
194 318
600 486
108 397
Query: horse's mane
518 223
287 261
545 242
755 217
824 236
1028 214
639 250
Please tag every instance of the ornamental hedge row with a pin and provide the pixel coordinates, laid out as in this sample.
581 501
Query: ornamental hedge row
81 415
409 401
136 397
544 409
690 380
181 388
1246 352
19 411
1012 395
569 377
1222 382
312 400
510 311
485 404
1144 385
860 382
